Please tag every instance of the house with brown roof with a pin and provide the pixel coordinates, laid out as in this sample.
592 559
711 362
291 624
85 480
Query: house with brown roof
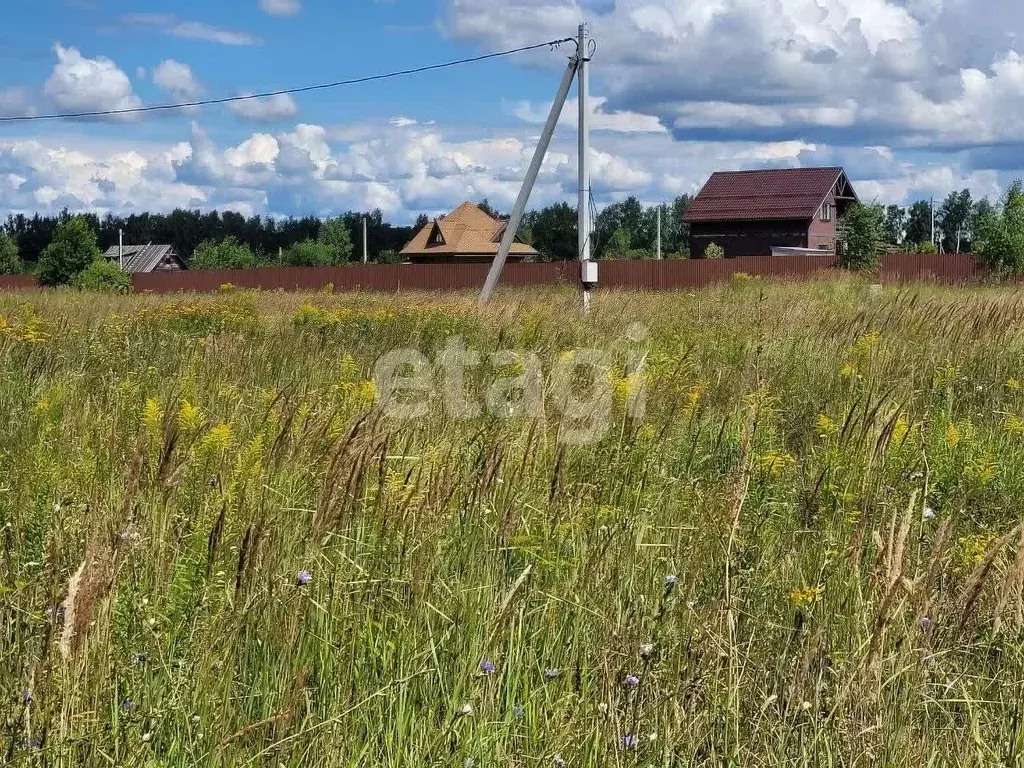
466 235
750 213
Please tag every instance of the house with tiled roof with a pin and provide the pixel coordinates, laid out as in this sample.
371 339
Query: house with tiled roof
466 235
756 213
151 257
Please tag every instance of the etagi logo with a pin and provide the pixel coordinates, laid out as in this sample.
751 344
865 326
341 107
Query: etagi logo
581 386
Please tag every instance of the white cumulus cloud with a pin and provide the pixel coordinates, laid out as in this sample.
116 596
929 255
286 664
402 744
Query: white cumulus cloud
177 79
80 84
268 110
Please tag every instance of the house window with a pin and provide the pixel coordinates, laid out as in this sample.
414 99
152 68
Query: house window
436 238
826 212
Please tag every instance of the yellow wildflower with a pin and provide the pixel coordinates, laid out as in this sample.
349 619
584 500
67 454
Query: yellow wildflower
866 344
218 439
189 417
693 400
365 393
1013 384
803 597
1013 424
971 549
953 436
849 370
899 431
152 416
774 463
826 425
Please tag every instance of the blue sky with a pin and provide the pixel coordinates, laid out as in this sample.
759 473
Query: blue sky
913 97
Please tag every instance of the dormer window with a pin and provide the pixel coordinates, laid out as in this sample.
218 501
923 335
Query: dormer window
436 238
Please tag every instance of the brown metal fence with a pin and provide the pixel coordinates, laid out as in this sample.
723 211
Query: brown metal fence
668 275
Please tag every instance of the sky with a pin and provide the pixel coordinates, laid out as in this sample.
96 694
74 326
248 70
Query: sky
914 98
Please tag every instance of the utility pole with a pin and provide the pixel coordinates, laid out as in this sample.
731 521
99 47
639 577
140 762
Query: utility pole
512 228
931 206
659 232
120 248
588 268
366 249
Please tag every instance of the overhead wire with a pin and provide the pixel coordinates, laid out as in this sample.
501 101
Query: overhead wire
284 91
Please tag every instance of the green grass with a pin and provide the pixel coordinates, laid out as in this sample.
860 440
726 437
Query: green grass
834 477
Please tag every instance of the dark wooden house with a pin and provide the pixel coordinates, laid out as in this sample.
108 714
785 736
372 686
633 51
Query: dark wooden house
748 213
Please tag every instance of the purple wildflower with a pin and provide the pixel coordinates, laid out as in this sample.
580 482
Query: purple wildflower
487 667
926 623
32 743
518 712
551 674
671 580
127 705
629 741
632 681
303 578
27 697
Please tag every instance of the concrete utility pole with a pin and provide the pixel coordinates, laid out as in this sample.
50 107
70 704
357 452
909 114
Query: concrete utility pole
659 232
588 268
120 248
366 249
512 228
931 206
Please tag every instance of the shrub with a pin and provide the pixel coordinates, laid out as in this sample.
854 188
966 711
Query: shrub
714 251
103 276
10 264
861 236
926 247
310 253
1001 235
334 237
389 257
72 249
225 254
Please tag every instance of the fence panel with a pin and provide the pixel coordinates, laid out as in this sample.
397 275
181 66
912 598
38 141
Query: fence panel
667 275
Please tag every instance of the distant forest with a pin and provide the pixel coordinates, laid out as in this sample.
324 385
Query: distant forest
185 230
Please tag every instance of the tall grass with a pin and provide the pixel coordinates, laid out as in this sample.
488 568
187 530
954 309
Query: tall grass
808 552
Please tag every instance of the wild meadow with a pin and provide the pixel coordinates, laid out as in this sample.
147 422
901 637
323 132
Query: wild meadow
795 540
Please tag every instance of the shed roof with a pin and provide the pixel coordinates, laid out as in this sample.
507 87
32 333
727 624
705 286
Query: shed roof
771 193
143 258
466 231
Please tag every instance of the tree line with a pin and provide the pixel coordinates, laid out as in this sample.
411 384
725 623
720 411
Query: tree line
623 230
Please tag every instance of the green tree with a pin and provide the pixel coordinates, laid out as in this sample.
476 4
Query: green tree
919 223
895 224
619 245
224 254
553 231
72 249
10 264
310 253
104 276
1001 235
335 236
954 218
861 235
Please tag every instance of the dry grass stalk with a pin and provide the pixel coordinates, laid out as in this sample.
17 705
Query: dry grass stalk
971 593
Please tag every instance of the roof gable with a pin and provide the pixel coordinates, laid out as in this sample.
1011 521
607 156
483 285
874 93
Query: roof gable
779 193
143 258
466 231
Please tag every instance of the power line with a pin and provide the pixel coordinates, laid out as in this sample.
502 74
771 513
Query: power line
285 91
